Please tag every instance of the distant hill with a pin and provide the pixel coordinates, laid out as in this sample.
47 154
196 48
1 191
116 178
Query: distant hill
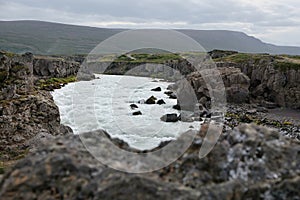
53 38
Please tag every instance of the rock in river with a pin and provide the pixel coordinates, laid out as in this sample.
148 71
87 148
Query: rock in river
151 100
133 106
137 113
161 101
158 89
169 118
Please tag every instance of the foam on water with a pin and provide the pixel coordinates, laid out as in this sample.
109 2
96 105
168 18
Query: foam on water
104 103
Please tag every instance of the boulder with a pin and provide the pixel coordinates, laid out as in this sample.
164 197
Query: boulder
151 100
137 113
133 106
171 95
177 107
160 102
170 118
158 89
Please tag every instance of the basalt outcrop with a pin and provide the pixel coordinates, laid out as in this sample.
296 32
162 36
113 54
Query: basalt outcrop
54 67
251 162
25 111
169 70
235 86
269 82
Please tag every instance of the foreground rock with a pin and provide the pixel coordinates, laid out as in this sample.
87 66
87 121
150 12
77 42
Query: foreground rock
251 162
66 170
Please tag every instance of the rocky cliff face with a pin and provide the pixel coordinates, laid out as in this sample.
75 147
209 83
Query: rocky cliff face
236 86
259 80
25 112
269 83
251 162
169 70
50 67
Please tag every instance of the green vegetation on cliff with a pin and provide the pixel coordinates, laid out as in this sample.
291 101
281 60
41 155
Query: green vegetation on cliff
10 157
54 83
281 62
243 57
286 62
148 58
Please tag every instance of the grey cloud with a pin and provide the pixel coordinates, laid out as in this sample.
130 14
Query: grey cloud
251 16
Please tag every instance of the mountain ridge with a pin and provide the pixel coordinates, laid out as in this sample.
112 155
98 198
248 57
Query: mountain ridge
47 38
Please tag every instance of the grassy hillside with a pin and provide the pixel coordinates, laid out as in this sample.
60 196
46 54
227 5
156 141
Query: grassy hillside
50 38
283 62
53 38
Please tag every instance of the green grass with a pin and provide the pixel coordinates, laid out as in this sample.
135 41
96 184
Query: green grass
283 65
17 68
3 76
61 80
290 56
243 57
282 62
148 58
9 54
12 156
56 82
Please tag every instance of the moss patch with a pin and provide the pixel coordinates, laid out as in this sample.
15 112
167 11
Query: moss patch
9 54
283 65
243 57
3 76
55 82
148 58
9 157
17 68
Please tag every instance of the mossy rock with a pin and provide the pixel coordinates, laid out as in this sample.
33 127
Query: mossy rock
148 58
243 58
3 76
12 155
2 171
283 65
55 82
286 123
9 54
18 68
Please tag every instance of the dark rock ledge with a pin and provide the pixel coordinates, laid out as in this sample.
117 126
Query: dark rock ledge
251 162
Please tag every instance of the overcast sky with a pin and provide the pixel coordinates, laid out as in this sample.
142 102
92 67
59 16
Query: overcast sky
273 21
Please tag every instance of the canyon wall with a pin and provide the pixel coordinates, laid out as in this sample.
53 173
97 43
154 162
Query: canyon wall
27 112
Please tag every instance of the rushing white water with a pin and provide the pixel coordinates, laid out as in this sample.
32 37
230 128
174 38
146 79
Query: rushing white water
104 103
